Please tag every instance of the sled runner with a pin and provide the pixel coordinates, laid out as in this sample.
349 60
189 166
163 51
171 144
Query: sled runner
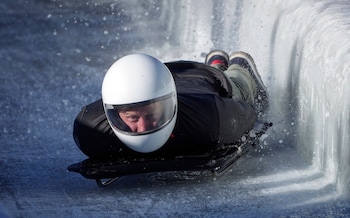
105 172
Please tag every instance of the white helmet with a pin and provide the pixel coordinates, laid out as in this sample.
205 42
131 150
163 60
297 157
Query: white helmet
140 101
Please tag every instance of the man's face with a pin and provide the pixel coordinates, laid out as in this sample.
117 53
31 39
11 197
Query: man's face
143 118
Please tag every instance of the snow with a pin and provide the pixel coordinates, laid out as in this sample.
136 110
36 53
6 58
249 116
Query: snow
55 54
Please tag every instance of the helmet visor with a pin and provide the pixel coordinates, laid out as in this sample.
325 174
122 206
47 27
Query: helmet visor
142 117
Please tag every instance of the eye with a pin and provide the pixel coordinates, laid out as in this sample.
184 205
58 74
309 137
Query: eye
149 116
133 118
153 116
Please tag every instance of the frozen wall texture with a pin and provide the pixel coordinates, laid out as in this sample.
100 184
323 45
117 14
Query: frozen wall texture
303 51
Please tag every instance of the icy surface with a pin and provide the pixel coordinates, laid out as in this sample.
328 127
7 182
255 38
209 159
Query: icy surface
54 55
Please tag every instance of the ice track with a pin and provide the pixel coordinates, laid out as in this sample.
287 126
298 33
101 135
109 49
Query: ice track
54 55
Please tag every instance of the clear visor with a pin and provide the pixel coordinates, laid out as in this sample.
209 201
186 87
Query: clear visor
143 117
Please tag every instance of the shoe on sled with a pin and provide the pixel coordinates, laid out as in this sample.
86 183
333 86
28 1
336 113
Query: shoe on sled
246 61
218 59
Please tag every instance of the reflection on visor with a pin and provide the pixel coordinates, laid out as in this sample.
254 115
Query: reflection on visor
144 117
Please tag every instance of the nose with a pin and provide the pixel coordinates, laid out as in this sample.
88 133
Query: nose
142 125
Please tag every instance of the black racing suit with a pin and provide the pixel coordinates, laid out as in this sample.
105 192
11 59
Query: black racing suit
208 116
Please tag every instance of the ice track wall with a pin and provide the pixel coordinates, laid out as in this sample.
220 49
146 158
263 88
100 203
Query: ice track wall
302 48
